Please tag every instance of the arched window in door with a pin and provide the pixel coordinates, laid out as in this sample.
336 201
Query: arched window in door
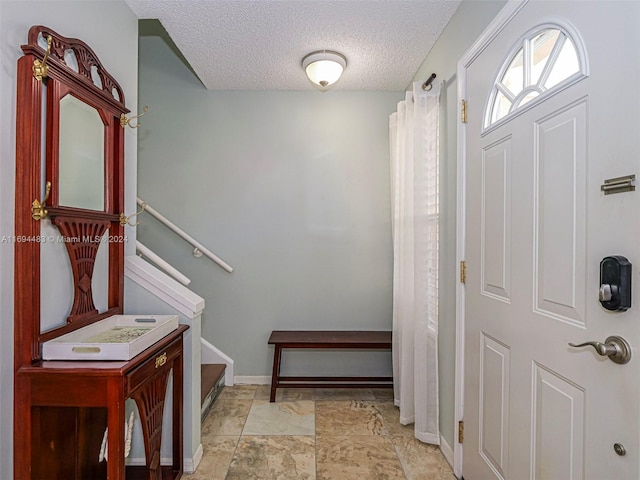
545 60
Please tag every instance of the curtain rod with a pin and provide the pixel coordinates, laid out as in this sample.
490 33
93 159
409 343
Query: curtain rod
426 86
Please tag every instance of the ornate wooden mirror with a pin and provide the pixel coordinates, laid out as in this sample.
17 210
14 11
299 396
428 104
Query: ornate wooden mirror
68 103
70 197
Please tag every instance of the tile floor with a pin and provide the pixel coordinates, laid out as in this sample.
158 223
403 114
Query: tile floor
319 434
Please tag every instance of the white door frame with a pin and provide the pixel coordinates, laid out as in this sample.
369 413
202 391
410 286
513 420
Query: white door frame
493 29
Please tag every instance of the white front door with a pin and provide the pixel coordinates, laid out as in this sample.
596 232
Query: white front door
537 226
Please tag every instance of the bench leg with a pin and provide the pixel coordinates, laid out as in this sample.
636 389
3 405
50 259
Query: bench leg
277 353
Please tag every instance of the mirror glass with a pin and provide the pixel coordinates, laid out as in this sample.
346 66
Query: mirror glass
81 154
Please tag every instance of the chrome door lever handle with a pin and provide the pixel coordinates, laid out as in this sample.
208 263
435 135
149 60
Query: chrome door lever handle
602 348
614 347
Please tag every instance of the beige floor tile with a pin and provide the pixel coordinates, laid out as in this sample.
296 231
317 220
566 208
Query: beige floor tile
239 392
420 460
383 394
343 394
284 394
366 457
217 454
262 392
280 418
227 417
348 418
355 439
277 458
391 419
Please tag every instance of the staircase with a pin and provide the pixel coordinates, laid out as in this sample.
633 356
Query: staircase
212 381
150 289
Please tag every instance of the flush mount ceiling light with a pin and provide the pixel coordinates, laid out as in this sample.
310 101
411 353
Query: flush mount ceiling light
324 67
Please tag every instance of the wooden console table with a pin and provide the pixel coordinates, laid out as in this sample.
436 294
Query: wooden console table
62 408
67 405
316 339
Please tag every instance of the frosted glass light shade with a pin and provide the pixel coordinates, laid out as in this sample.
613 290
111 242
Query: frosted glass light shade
324 68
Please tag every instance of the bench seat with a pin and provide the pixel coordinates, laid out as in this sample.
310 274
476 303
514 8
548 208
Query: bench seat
326 339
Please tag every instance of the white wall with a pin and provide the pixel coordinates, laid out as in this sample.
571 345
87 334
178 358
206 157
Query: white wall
140 301
290 188
111 30
469 21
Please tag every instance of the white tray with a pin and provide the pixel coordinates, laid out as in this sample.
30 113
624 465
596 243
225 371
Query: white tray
120 337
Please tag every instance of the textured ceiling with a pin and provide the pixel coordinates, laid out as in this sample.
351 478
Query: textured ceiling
259 44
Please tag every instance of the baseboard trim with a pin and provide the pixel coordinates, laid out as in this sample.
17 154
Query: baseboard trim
140 461
211 354
189 465
446 450
252 380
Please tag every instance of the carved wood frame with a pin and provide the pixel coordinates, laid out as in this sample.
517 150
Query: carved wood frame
108 99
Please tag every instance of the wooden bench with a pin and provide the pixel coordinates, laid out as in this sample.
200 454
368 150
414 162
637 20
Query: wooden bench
310 339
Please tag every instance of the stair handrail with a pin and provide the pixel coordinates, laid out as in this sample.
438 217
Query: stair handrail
145 252
184 235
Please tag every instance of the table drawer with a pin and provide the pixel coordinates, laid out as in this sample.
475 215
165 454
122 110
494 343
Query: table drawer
156 364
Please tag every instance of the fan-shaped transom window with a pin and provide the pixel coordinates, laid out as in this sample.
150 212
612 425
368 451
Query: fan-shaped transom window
545 60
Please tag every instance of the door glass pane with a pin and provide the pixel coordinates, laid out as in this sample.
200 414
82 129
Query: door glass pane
552 56
566 65
501 107
513 78
541 47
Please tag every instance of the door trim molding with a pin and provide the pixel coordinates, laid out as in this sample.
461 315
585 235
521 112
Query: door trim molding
501 20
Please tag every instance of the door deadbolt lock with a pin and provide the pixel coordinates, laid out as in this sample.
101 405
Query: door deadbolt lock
615 283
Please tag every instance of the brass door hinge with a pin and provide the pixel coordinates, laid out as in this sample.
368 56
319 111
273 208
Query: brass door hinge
463 272
461 431
463 111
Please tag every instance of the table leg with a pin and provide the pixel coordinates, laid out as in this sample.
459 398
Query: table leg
177 415
115 437
277 354
23 430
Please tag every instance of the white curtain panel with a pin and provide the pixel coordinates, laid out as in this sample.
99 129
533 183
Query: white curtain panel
413 133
